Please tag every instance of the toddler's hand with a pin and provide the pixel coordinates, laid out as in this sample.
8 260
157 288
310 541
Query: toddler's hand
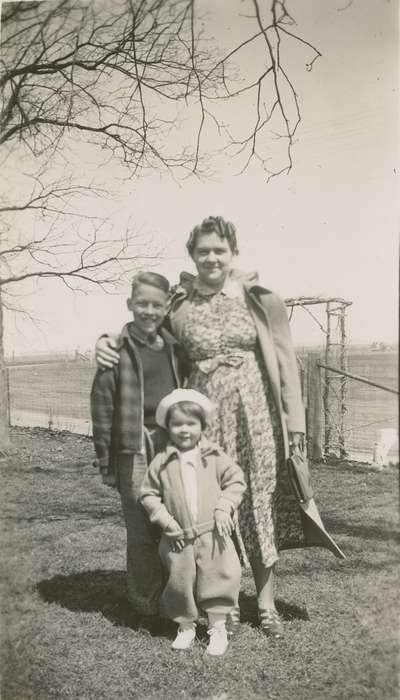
223 523
175 534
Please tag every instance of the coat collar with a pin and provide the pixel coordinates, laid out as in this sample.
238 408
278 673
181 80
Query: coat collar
230 289
237 279
206 448
126 335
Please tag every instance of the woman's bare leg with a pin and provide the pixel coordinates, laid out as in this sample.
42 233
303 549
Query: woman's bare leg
264 580
270 622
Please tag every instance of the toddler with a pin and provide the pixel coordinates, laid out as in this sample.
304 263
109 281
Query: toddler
191 491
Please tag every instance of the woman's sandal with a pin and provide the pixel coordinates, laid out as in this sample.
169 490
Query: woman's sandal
233 621
270 622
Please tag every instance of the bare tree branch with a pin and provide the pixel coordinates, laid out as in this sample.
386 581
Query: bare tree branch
88 251
118 73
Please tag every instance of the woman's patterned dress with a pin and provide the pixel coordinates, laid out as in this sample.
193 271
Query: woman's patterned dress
220 338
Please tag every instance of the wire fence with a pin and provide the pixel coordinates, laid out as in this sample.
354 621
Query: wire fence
53 392
371 414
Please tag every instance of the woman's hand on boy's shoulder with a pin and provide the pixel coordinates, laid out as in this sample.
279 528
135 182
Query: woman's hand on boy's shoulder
106 351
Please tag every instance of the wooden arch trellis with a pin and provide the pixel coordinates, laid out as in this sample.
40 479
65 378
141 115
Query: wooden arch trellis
326 423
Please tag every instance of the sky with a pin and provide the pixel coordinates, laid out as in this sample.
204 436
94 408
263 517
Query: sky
329 227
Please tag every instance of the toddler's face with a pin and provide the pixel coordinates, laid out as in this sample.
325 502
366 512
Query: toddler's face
149 306
184 430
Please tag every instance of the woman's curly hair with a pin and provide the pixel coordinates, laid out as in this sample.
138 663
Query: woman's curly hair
213 224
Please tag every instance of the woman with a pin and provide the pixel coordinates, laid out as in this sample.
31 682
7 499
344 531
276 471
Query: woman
237 337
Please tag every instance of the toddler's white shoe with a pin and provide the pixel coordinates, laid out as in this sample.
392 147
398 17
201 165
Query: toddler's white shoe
218 643
184 638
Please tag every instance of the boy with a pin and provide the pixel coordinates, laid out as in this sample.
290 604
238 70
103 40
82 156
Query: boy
191 491
123 402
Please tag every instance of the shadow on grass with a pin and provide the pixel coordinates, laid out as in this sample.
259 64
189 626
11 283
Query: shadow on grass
364 531
98 591
104 592
288 611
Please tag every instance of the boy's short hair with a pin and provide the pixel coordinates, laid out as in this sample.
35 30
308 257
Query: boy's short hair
151 278
188 408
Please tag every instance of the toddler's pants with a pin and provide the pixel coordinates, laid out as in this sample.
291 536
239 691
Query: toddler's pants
204 575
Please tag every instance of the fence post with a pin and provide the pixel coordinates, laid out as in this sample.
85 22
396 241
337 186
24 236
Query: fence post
315 412
8 396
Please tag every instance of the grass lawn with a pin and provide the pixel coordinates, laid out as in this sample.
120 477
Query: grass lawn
67 631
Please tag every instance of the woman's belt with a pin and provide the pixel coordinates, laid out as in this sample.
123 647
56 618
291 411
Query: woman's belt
231 359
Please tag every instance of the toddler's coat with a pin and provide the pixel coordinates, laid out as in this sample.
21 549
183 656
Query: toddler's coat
206 572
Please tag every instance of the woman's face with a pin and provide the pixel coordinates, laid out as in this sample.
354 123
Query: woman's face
212 257
149 306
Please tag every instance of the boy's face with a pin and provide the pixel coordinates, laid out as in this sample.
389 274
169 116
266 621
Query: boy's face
184 430
149 306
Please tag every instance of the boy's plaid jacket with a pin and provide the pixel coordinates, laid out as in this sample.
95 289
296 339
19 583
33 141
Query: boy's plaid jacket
117 400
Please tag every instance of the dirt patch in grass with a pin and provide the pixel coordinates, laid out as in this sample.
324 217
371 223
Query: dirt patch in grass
68 631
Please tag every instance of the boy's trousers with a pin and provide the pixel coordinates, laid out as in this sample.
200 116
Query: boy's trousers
204 575
144 570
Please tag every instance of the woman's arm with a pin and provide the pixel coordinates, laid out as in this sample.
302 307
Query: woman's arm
106 351
288 370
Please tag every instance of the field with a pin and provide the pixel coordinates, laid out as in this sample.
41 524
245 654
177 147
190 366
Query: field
68 632
369 408
58 394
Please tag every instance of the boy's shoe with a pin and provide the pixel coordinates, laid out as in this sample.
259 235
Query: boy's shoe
184 638
218 643
202 618
150 623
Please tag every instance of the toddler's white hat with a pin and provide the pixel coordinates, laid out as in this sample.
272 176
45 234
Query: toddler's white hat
178 395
